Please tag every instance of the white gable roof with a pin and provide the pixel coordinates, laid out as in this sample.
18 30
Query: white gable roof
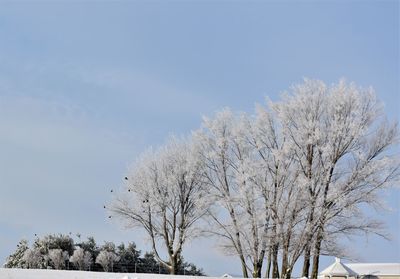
338 269
375 268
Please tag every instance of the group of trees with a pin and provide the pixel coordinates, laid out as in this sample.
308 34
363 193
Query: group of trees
284 184
61 252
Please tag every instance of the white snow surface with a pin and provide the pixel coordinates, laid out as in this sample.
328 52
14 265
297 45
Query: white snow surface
17 273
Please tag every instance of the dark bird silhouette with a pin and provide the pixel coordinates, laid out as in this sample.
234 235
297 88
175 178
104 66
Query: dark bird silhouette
112 190
104 206
126 178
109 216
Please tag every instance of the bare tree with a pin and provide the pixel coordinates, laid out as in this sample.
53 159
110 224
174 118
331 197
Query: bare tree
292 178
277 180
224 174
252 177
340 145
166 196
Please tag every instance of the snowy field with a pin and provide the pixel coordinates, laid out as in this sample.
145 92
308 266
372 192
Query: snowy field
11 273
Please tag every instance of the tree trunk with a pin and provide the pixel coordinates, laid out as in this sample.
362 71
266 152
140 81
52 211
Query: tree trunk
285 252
320 231
257 269
317 250
275 246
173 268
314 273
244 268
268 271
306 263
284 268
309 237
310 217
264 244
239 244
275 266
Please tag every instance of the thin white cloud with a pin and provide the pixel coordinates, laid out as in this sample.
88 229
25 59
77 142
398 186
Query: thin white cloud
141 89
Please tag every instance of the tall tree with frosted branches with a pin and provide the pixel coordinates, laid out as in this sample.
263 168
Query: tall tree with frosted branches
340 142
166 196
224 175
252 178
313 158
277 180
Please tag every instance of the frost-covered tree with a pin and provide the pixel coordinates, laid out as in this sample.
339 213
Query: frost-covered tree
227 183
33 258
285 183
108 246
166 196
81 259
242 186
291 179
58 258
90 246
107 259
16 260
252 176
340 142
276 177
54 241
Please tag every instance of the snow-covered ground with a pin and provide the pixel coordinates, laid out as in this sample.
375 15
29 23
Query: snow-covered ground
11 273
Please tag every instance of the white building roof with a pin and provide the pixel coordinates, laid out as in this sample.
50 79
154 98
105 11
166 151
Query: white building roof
375 268
338 269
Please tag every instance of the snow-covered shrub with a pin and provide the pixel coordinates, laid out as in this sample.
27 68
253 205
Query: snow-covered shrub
106 259
58 258
33 258
81 259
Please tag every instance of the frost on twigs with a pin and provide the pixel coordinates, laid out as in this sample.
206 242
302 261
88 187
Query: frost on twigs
166 195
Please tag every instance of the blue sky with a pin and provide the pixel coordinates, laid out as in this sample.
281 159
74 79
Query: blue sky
86 86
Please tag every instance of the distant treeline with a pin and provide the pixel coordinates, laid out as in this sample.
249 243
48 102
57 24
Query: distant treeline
62 252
